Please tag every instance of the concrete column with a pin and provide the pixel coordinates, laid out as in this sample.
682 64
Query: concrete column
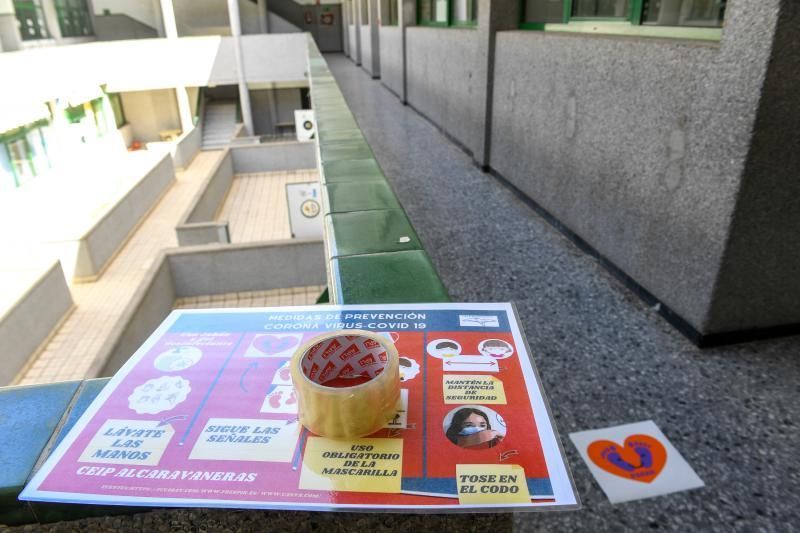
159 19
184 109
493 16
263 16
244 94
374 37
51 20
10 39
171 32
168 18
758 287
357 28
408 18
90 9
346 28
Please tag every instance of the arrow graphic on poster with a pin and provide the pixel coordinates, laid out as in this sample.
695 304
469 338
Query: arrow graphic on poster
468 363
253 365
172 419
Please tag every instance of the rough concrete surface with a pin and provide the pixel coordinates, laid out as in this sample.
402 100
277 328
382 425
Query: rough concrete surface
442 77
638 145
759 284
391 43
604 357
206 520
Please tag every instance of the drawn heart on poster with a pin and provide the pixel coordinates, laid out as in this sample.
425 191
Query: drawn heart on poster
272 344
641 458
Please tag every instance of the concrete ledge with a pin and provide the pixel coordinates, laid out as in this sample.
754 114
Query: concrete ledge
183 150
203 233
197 225
32 319
217 269
202 270
87 254
273 157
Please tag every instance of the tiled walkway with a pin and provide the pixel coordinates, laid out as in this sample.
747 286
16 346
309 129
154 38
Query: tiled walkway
256 207
605 358
98 305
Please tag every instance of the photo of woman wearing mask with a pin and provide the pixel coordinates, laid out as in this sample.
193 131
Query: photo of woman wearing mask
470 427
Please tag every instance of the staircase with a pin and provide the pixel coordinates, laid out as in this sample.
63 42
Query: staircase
219 123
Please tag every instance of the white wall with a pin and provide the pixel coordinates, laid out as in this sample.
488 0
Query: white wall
150 112
142 10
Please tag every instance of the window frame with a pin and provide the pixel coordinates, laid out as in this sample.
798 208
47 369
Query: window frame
20 134
115 102
472 9
451 22
35 6
392 20
66 11
617 25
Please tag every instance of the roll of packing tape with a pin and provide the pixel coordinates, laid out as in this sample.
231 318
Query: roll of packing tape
347 383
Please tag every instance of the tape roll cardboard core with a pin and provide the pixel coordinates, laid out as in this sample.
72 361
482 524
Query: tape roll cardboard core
347 383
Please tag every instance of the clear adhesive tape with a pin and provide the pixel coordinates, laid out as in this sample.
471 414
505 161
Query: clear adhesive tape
323 370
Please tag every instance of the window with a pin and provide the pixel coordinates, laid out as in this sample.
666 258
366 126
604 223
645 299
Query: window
389 13
465 12
116 106
21 160
31 20
447 12
100 121
675 13
600 9
434 12
23 154
540 11
364 12
701 13
73 18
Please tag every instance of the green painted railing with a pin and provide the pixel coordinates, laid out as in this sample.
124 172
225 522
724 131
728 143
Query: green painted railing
373 252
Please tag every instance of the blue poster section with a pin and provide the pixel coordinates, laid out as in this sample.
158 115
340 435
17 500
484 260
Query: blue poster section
540 487
332 319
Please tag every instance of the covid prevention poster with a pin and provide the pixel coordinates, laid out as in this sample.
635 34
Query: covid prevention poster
205 414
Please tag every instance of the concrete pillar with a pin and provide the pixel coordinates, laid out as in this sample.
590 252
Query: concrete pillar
374 38
346 28
168 18
263 16
493 16
408 18
184 109
10 39
51 20
159 19
244 94
182 97
90 8
357 28
757 291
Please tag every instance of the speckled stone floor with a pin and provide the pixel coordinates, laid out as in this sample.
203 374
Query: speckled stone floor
605 357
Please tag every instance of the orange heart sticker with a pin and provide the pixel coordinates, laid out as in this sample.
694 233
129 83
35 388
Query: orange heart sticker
641 458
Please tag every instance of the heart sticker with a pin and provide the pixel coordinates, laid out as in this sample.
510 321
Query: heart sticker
641 458
271 345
